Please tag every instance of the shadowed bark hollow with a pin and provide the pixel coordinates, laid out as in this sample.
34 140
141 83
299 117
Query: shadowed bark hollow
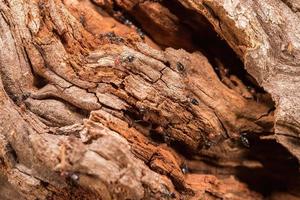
130 99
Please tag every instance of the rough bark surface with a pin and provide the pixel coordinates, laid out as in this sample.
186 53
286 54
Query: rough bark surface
130 99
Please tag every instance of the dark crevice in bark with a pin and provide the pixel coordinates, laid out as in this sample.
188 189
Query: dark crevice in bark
278 167
12 153
39 82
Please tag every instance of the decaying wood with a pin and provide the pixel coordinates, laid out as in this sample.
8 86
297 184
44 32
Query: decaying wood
94 108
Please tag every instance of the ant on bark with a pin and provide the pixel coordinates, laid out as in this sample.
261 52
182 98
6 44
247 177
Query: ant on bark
118 61
71 177
140 33
113 38
195 102
184 168
180 66
129 58
244 140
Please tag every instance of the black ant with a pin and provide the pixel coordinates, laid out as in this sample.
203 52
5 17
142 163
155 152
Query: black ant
195 102
207 144
184 168
82 20
244 140
140 33
180 66
167 139
167 194
120 17
114 38
72 178
129 58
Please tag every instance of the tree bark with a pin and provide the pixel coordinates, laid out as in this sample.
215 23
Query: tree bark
138 99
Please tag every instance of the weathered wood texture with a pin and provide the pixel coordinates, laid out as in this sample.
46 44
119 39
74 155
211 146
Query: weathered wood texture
93 109
266 36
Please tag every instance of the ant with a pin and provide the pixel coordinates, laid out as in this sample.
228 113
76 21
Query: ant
71 177
244 140
207 144
195 102
114 38
140 33
82 20
167 139
168 194
129 58
180 66
184 168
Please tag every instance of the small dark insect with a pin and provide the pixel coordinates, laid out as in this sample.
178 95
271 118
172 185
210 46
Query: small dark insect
167 194
251 89
244 140
74 177
124 20
114 38
120 16
82 20
167 139
207 144
111 34
119 40
128 22
184 168
129 58
195 102
140 33
143 110
180 66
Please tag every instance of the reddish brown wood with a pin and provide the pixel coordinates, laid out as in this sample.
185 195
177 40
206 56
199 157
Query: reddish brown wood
94 106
